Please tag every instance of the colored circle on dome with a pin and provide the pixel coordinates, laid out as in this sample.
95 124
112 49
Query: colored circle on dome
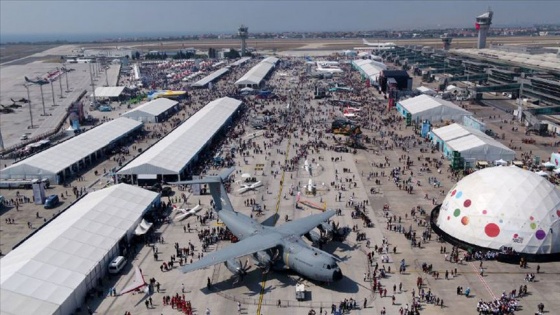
558 212
465 220
515 235
531 218
484 212
533 225
455 191
540 235
448 217
457 212
459 194
467 203
492 230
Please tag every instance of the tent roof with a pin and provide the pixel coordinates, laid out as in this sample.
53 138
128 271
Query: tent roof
154 108
256 74
172 153
45 270
503 206
211 77
240 61
425 103
63 155
109 91
483 146
370 67
455 131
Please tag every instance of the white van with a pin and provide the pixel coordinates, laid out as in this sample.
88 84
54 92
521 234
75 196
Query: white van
117 264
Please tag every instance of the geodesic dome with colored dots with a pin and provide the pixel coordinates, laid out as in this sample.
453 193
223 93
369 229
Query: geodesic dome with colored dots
504 206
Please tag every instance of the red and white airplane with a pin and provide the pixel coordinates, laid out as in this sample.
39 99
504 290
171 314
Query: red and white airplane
136 284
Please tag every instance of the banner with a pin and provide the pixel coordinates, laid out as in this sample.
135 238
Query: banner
38 193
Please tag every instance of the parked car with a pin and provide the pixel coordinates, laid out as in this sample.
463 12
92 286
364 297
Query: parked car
51 201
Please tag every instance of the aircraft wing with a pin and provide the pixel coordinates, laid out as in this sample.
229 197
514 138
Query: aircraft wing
136 283
247 246
304 225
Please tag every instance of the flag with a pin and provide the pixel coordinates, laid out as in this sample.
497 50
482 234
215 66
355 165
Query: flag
477 26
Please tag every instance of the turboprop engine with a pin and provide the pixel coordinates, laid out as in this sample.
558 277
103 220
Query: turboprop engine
313 237
264 261
239 271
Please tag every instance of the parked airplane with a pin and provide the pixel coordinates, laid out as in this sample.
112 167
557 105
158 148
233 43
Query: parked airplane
270 247
38 81
308 167
246 187
185 213
137 282
21 100
310 187
6 110
379 46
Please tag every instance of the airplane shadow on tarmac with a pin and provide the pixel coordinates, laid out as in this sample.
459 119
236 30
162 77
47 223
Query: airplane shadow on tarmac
275 279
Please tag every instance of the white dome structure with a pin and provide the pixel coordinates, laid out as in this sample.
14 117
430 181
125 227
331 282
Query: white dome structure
503 207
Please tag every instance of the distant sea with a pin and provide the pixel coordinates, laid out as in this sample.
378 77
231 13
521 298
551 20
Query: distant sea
34 38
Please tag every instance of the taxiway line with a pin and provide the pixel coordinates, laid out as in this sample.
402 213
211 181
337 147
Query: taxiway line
263 282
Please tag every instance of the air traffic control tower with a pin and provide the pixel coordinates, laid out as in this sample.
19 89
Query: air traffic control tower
446 39
482 25
243 33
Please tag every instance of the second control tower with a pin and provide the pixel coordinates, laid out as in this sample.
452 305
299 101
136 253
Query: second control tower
482 25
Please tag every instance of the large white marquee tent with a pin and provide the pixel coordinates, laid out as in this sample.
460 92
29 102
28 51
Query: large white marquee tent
425 107
51 272
63 158
504 207
172 154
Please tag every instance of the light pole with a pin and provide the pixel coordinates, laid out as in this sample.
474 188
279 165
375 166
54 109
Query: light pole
52 89
66 75
29 103
60 83
92 87
43 100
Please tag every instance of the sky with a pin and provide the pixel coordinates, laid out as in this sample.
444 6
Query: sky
44 18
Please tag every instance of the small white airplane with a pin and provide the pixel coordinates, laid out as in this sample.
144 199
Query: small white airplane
246 187
137 282
310 187
185 213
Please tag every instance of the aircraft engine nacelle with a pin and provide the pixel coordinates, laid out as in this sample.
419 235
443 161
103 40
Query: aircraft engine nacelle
326 227
263 259
313 236
233 266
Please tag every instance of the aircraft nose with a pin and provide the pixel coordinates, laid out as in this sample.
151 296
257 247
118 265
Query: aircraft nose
337 275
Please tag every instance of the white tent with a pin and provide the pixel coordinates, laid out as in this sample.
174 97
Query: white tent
425 107
542 173
503 206
481 148
51 272
548 164
500 162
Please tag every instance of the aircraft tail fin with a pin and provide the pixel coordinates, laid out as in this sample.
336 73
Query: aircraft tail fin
217 188
365 41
